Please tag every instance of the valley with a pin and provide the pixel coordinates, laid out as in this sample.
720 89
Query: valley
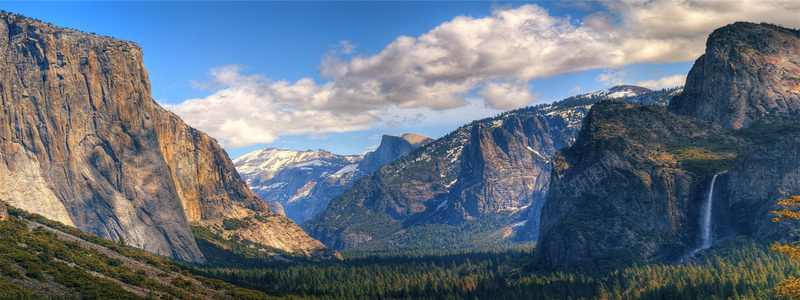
623 193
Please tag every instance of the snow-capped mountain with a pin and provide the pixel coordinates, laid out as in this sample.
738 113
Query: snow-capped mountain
303 182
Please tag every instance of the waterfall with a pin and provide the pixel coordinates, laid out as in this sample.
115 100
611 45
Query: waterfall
705 221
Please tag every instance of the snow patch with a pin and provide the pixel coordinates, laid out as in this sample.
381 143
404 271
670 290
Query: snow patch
620 94
451 183
347 169
535 152
311 163
442 205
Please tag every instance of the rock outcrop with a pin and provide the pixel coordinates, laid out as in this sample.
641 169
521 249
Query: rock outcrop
391 147
748 71
83 143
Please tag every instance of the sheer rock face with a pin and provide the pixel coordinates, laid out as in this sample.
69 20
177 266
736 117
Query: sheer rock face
391 147
748 193
748 71
83 143
503 167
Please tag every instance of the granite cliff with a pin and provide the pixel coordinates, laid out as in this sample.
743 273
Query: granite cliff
634 186
391 147
83 143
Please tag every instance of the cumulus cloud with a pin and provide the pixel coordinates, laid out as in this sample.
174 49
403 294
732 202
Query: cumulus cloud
664 82
497 56
505 95
252 109
612 77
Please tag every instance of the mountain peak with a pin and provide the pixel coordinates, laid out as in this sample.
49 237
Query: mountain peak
748 71
417 140
391 147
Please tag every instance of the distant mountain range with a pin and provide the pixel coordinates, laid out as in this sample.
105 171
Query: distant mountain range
303 182
483 183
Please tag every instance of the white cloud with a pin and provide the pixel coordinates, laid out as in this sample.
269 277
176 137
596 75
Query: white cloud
497 54
252 109
506 95
664 82
612 77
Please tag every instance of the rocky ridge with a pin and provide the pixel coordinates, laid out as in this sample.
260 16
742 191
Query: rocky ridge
84 144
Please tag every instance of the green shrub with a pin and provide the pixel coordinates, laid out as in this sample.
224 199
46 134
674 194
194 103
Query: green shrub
233 224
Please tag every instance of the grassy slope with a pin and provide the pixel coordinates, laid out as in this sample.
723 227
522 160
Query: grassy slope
46 258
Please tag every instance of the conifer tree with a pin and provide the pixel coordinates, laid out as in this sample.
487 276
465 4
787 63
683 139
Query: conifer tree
789 288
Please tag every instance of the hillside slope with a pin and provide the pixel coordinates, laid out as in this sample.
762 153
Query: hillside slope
46 259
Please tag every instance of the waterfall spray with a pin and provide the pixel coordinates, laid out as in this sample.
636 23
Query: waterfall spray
705 220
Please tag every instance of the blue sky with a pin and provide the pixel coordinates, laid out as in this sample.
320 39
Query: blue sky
337 75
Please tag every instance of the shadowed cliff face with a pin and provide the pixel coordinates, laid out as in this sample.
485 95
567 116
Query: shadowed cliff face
748 71
83 143
391 147
622 193
493 167
750 192
503 167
